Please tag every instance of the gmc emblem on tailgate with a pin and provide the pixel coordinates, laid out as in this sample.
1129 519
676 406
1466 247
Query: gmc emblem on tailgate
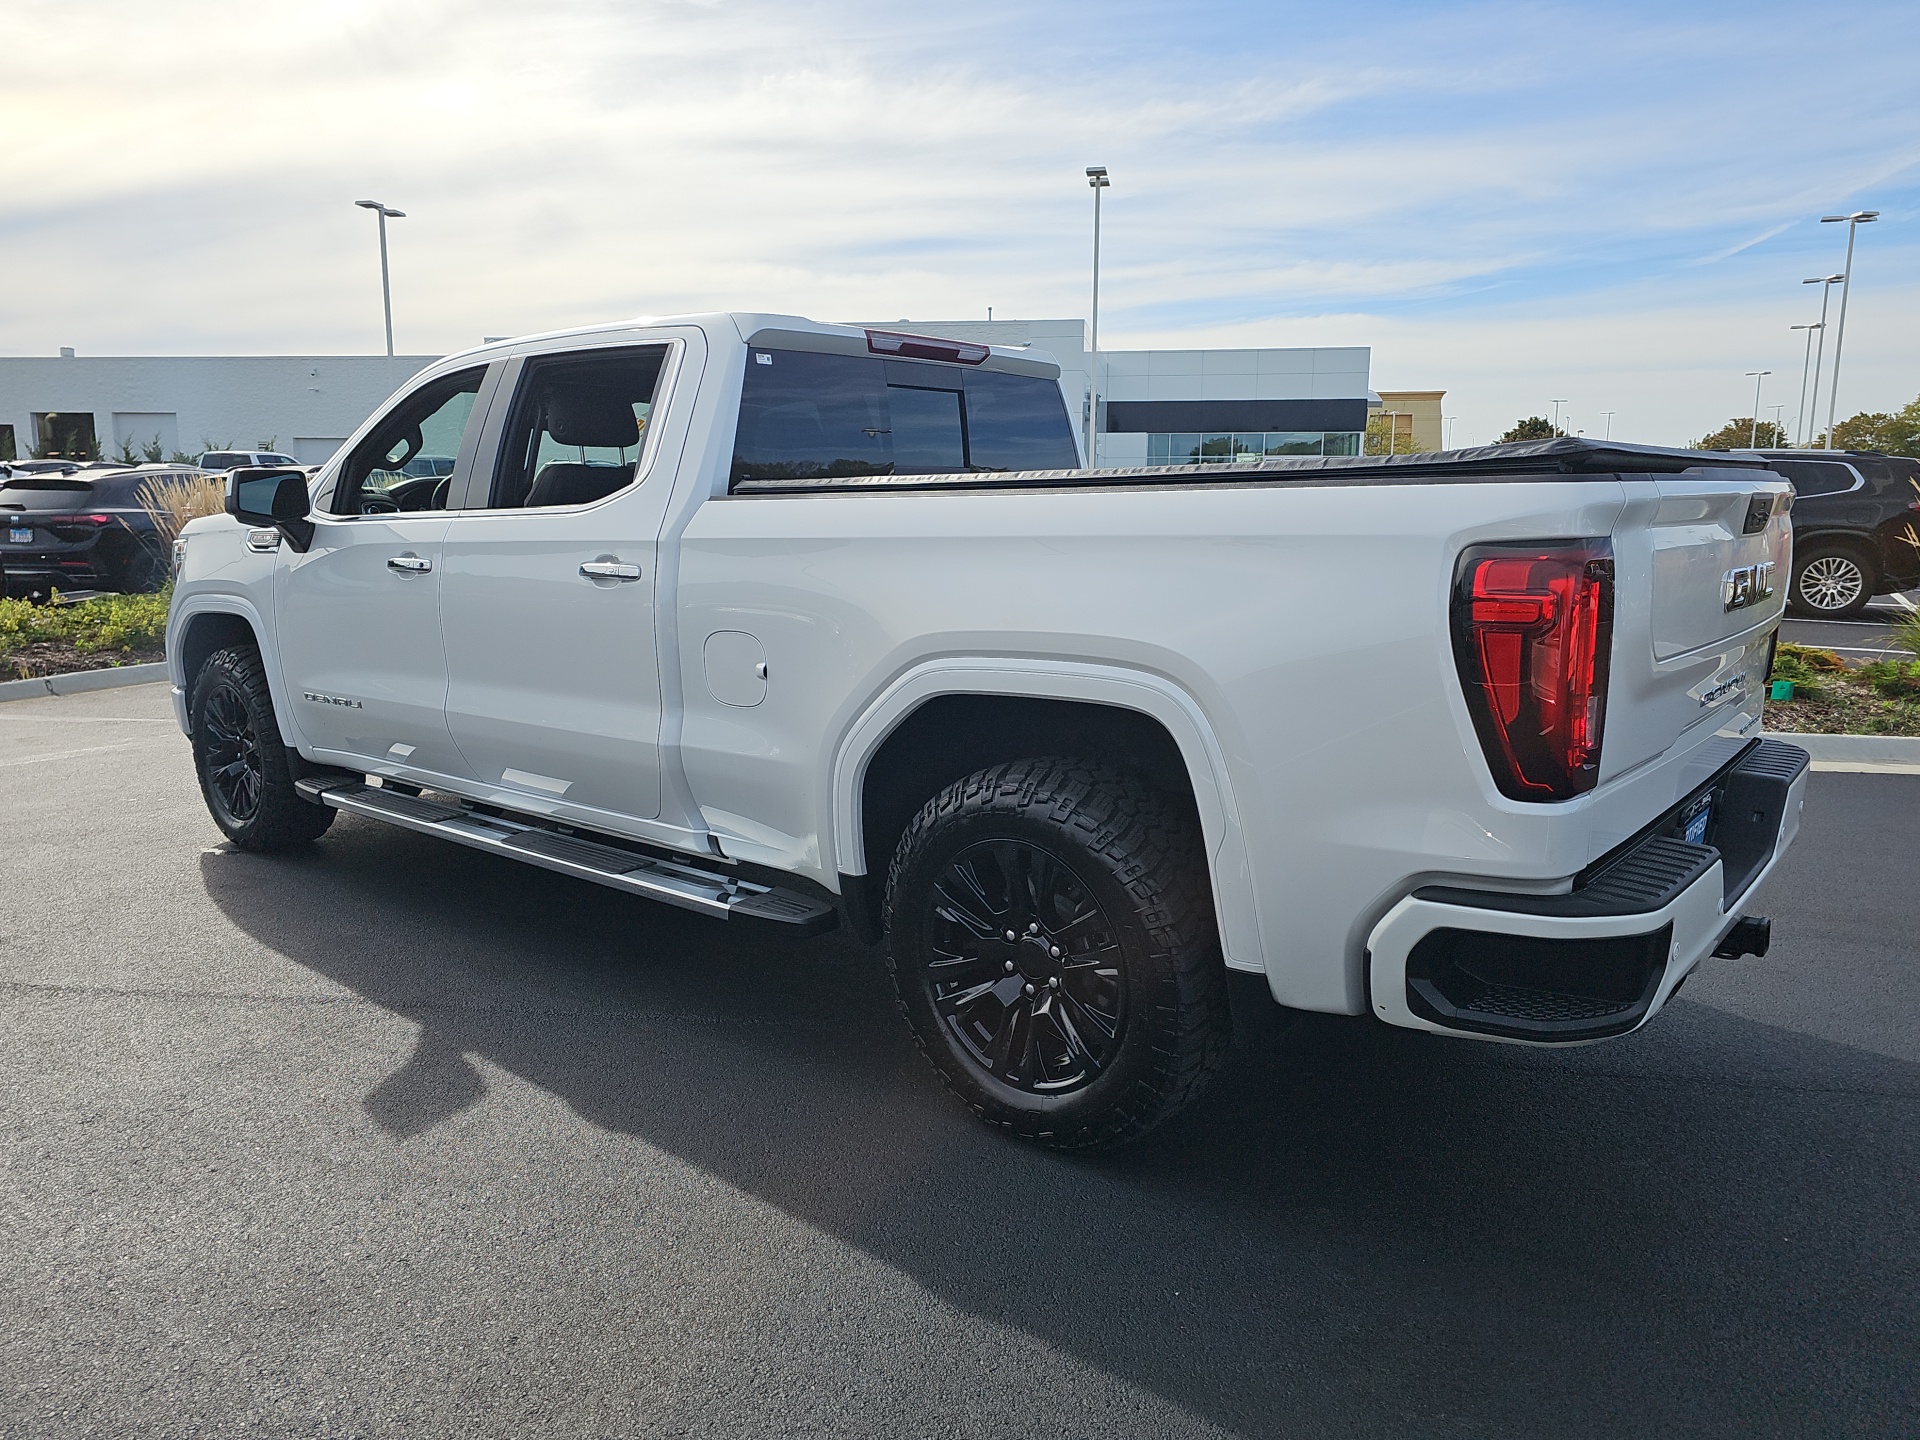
1748 585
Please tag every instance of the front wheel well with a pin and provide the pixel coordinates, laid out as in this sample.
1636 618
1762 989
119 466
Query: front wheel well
208 634
952 736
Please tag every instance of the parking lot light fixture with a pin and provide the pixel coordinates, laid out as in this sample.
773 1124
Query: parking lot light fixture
385 213
1753 439
1806 360
1826 282
1556 416
1096 181
1854 222
1608 415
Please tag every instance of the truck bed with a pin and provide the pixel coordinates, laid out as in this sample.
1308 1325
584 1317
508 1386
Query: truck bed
1522 460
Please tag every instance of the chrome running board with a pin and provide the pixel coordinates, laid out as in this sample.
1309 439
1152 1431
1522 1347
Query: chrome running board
654 876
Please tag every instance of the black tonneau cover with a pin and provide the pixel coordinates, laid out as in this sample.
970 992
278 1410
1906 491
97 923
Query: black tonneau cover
1521 460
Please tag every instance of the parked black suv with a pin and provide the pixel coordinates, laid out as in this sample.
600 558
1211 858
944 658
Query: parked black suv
1856 527
79 527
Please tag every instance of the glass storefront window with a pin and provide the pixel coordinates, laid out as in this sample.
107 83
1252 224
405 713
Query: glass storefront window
1243 448
1293 442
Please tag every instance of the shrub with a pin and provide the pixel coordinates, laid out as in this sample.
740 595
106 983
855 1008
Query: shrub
1893 679
106 622
173 502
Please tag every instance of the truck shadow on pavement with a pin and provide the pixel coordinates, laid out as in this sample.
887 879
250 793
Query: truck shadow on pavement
1708 1228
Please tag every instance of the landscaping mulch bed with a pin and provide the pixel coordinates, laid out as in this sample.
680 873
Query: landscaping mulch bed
40 658
1844 710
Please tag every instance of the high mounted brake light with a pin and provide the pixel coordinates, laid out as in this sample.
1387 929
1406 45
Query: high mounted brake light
925 347
1532 635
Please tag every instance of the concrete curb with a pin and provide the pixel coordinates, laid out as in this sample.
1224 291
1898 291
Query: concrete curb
82 681
1861 754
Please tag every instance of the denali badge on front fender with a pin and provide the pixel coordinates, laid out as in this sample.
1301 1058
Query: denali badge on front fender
341 700
1748 585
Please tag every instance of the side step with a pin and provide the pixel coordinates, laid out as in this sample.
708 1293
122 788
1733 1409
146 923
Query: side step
655 877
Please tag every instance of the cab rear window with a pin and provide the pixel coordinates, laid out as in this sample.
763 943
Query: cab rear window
808 416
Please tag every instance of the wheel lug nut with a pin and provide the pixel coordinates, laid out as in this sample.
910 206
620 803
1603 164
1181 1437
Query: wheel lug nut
1009 967
1029 987
1033 927
1054 952
1054 983
1011 937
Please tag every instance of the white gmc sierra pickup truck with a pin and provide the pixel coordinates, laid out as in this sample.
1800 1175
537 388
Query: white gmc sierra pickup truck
780 621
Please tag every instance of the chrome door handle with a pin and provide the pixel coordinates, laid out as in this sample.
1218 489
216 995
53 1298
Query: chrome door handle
410 564
609 570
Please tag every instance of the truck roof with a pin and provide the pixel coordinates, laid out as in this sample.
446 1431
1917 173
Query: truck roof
775 330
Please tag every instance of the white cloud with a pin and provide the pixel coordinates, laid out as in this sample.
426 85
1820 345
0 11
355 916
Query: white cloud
180 179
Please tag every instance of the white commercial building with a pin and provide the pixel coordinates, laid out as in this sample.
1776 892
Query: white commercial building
160 406
1157 407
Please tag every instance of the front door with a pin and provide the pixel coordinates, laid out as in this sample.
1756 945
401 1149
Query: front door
547 593
358 613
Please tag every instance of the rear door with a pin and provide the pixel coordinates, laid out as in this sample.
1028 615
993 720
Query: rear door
548 591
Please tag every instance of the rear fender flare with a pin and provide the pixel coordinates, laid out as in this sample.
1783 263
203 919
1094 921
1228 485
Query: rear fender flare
1229 870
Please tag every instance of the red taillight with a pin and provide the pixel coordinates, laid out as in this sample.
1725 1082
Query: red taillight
925 347
92 520
1532 632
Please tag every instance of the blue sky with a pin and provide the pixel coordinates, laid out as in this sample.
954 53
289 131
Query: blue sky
1612 203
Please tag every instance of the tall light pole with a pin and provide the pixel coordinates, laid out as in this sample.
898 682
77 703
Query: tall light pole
1097 181
1449 419
386 289
1806 360
1826 284
1608 415
1779 430
1556 414
1753 440
1854 222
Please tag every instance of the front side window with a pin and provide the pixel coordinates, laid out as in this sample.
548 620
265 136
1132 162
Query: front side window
578 425
406 463
806 416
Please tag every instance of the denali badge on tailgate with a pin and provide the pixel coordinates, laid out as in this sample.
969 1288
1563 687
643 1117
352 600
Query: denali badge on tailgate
1748 585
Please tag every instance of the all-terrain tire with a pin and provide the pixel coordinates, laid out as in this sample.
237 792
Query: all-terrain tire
1046 902
246 772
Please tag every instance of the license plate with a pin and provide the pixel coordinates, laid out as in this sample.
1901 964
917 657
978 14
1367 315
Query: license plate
20 534
1697 825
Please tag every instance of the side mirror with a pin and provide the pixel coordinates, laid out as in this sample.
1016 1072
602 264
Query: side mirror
276 498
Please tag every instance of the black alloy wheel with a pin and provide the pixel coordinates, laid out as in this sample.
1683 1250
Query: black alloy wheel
246 771
1049 928
231 760
1026 971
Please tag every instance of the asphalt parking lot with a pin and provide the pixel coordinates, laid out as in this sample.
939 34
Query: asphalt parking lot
396 1139
1863 639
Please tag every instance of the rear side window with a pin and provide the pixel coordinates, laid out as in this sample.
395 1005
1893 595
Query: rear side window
1814 477
812 416
578 427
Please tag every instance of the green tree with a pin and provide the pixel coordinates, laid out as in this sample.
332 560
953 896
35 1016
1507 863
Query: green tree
1738 434
1534 427
1896 434
151 451
1383 438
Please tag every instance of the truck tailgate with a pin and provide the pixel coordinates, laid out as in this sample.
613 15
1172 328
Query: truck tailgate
1702 560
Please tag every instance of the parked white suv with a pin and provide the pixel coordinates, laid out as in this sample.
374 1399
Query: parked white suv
220 461
782 621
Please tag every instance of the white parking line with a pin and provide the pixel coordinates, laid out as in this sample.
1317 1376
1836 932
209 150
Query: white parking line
66 754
